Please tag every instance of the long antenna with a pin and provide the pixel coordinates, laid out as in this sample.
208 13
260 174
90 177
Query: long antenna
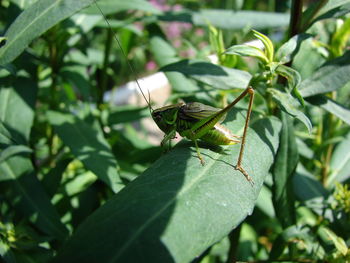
126 58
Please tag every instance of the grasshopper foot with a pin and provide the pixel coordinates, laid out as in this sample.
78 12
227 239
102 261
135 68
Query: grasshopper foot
249 179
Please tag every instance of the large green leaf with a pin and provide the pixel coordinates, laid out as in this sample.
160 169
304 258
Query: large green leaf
283 172
34 21
331 76
178 208
88 145
214 75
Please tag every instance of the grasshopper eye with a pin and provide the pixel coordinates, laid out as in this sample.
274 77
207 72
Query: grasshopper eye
158 117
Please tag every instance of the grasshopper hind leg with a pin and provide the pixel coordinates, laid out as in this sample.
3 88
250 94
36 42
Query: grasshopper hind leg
238 166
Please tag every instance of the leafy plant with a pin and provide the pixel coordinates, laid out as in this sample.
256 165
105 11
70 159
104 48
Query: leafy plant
80 178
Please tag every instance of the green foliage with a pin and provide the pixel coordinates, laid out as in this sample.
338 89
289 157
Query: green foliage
82 178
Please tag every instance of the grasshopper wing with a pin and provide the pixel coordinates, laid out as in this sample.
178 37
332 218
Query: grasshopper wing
194 111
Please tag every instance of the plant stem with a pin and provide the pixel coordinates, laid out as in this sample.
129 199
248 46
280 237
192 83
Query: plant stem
104 74
328 155
234 241
54 70
295 17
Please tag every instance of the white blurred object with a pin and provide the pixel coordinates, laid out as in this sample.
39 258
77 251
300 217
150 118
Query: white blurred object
123 94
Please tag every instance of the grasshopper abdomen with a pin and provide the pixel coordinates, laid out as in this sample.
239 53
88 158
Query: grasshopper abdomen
220 135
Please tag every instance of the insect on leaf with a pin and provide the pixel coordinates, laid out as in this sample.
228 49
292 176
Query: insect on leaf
170 213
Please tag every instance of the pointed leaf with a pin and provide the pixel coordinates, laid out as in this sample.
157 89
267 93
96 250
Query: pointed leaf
289 105
178 208
34 21
88 145
283 173
246 50
269 49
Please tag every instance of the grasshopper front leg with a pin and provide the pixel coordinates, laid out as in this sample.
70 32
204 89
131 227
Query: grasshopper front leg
168 137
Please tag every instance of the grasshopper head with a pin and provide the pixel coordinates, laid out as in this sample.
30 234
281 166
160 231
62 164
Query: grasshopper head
166 117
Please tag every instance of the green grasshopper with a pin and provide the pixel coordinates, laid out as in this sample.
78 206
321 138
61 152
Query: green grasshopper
196 121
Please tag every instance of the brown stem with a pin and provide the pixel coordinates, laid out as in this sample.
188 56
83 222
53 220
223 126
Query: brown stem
295 17
234 241
104 75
